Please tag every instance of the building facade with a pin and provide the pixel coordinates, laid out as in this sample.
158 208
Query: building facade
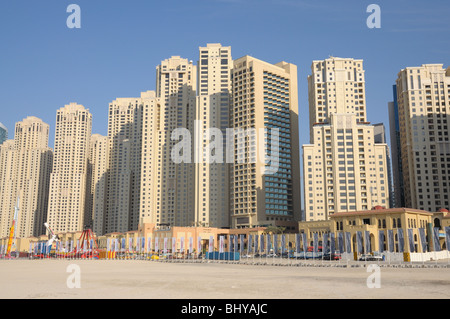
344 168
25 175
98 169
423 100
124 167
397 170
264 174
3 133
70 179
168 196
212 116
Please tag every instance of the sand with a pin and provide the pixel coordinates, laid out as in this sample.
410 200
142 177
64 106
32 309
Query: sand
45 279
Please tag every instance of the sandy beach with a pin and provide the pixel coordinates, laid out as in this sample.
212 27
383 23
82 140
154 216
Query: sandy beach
44 279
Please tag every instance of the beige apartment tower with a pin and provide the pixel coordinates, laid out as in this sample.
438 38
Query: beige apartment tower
124 173
25 167
212 115
70 179
344 169
168 186
98 169
423 101
265 101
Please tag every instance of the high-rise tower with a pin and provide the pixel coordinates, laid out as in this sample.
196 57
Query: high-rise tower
69 179
25 170
344 168
423 101
264 174
212 115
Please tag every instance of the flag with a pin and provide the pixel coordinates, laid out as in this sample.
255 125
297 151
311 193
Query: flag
401 240
359 243
262 244
199 244
275 243
165 245
325 243
367 241
297 243
380 241
437 246
174 245
191 245
122 245
305 244
210 247
157 245
249 244
332 243
447 237
391 240
221 244
423 239
242 244
182 245
256 244
341 242
411 240
211 244
149 244
348 242
283 243
108 244
315 242
143 244
130 244
235 243
269 243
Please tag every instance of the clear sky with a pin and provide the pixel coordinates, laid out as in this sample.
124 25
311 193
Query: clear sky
45 65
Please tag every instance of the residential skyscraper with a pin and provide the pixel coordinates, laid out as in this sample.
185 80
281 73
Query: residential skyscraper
125 139
265 100
8 197
423 99
212 113
3 133
336 86
380 138
344 169
98 171
397 171
69 179
168 186
25 168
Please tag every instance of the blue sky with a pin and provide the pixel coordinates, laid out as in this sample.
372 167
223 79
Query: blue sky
45 65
